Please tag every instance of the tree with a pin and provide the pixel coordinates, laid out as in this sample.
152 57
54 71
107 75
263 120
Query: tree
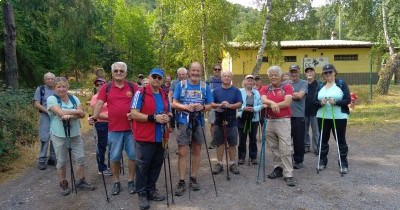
10 48
260 53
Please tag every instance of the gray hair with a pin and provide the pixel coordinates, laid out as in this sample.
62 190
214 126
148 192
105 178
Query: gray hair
182 69
61 80
275 69
49 74
120 64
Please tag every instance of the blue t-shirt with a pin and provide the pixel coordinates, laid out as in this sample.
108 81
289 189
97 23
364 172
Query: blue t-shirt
231 95
187 93
137 104
215 82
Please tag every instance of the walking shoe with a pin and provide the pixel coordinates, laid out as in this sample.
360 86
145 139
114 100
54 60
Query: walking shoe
64 188
212 145
83 185
131 187
254 161
298 165
107 172
218 168
344 170
241 162
278 172
116 188
181 188
193 184
51 162
233 168
307 149
155 196
143 202
290 181
42 166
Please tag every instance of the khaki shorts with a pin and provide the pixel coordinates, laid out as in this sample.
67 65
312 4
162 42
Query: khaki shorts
60 148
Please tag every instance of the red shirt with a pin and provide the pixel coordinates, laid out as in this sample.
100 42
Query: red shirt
119 105
277 95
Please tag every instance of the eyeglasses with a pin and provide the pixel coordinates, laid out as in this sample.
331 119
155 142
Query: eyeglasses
116 71
217 69
155 76
328 72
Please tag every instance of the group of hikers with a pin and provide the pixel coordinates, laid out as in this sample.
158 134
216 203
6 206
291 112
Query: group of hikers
138 118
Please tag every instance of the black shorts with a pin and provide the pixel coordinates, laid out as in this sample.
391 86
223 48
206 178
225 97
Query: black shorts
231 138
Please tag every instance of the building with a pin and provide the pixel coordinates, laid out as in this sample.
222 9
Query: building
351 58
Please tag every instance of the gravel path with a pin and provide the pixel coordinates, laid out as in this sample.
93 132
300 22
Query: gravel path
372 183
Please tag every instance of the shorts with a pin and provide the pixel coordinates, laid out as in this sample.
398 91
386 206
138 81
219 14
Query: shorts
60 148
185 134
211 116
118 140
219 135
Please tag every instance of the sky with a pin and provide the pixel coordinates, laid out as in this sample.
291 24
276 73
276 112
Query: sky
251 3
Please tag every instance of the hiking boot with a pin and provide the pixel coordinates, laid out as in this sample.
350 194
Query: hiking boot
278 172
116 188
51 162
298 165
83 185
254 161
290 181
64 188
344 170
181 188
193 184
131 187
42 166
143 202
155 196
234 169
218 168
241 162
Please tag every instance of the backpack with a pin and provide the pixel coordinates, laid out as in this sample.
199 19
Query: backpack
269 89
130 84
71 98
339 83
184 88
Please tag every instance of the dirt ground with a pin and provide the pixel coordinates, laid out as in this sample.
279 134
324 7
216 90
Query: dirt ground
372 183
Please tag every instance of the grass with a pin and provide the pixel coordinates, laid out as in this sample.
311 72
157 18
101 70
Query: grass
381 110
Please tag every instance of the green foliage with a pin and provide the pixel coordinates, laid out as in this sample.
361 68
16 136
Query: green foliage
18 123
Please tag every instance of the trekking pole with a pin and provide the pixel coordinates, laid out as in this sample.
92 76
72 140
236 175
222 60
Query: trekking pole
170 176
209 161
337 143
264 147
67 130
224 124
320 138
165 147
192 121
262 152
98 162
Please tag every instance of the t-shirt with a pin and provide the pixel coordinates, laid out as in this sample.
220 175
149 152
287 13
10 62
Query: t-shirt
56 124
277 95
47 92
173 84
119 104
232 95
192 94
298 106
104 109
137 104
337 94
215 82
44 122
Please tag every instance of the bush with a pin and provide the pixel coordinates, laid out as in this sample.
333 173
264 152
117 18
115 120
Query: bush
18 123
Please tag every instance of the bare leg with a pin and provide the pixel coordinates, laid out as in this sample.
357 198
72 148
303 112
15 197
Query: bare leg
232 153
196 151
182 160
115 170
220 152
62 173
131 168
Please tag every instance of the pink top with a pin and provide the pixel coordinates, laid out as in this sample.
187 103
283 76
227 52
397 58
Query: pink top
104 109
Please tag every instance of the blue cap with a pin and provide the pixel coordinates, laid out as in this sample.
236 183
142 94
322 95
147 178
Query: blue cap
157 71
328 67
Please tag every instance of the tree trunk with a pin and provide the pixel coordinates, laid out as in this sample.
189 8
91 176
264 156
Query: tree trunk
163 32
203 41
391 67
260 53
10 45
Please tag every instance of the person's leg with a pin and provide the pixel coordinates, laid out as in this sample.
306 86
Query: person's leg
143 161
129 145
341 125
326 132
102 133
253 141
307 122
196 154
315 133
116 142
242 143
44 135
61 156
297 131
155 167
286 147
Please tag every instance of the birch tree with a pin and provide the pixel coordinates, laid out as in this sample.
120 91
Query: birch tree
260 53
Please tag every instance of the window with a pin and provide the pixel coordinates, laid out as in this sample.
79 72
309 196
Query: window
290 58
265 59
352 57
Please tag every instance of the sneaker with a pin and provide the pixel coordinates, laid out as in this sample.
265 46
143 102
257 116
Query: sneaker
290 181
278 172
344 170
42 166
116 188
64 188
155 196
131 187
218 168
143 202
51 162
254 161
181 188
193 184
106 172
307 149
83 185
241 162
234 169
298 165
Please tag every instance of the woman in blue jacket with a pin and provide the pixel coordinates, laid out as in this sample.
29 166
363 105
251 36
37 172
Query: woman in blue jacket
248 116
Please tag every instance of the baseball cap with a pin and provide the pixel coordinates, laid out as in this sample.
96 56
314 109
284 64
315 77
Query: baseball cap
140 76
328 67
257 77
249 76
99 79
309 68
157 71
294 67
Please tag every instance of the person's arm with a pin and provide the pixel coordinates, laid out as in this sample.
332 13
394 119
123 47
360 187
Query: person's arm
40 107
257 102
346 96
297 96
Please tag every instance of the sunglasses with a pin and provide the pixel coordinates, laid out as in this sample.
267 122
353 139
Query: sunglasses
116 71
328 72
217 69
155 76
